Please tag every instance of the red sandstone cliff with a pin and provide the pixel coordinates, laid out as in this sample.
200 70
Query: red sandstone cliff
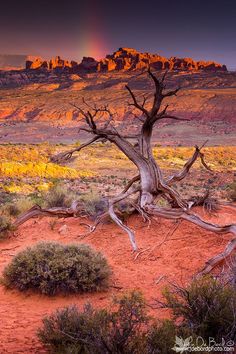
125 59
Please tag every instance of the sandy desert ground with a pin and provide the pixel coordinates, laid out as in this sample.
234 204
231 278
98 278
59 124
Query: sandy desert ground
170 257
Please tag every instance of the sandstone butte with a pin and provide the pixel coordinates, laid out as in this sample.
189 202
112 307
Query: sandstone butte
124 59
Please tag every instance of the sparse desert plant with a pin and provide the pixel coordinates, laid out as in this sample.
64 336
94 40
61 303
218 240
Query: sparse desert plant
5 226
9 209
5 197
52 224
19 206
206 306
232 191
92 204
161 337
228 273
126 327
60 196
94 331
52 268
69 330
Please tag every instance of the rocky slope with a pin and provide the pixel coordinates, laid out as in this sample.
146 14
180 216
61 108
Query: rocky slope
204 96
44 95
124 59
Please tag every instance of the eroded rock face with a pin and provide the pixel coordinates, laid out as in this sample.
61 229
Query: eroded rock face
125 59
37 63
130 59
88 64
57 62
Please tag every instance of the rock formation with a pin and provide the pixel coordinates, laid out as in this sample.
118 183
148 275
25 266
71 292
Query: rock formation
37 63
125 59
88 64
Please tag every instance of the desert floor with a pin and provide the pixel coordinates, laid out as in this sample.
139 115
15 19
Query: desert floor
174 253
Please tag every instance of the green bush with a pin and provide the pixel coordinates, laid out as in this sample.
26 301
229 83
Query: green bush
52 268
206 306
66 330
97 331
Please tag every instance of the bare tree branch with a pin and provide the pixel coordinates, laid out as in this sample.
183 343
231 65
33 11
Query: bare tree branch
117 220
171 92
135 102
65 156
173 117
183 173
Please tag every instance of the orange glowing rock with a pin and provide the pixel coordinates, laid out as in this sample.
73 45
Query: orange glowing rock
125 59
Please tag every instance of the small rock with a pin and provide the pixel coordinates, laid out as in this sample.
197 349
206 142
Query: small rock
63 230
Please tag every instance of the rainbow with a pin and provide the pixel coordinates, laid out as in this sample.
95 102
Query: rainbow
93 38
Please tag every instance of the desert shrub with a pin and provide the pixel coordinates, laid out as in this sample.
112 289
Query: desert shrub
232 191
5 226
60 196
65 330
206 306
93 331
18 206
228 273
52 268
24 204
92 204
10 209
5 197
161 337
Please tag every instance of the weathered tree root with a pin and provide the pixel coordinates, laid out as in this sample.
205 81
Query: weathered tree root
219 258
37 211
152 211
195 219
117 220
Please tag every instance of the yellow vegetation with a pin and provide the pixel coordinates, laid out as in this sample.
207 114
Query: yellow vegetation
31 161
39 169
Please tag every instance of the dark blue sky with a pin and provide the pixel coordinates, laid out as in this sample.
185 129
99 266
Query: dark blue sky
199 29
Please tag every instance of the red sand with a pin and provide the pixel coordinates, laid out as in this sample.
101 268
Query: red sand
176 260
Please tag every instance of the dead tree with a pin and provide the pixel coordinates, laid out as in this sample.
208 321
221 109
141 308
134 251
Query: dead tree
149 184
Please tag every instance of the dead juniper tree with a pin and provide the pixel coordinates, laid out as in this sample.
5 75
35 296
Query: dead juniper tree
149 184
